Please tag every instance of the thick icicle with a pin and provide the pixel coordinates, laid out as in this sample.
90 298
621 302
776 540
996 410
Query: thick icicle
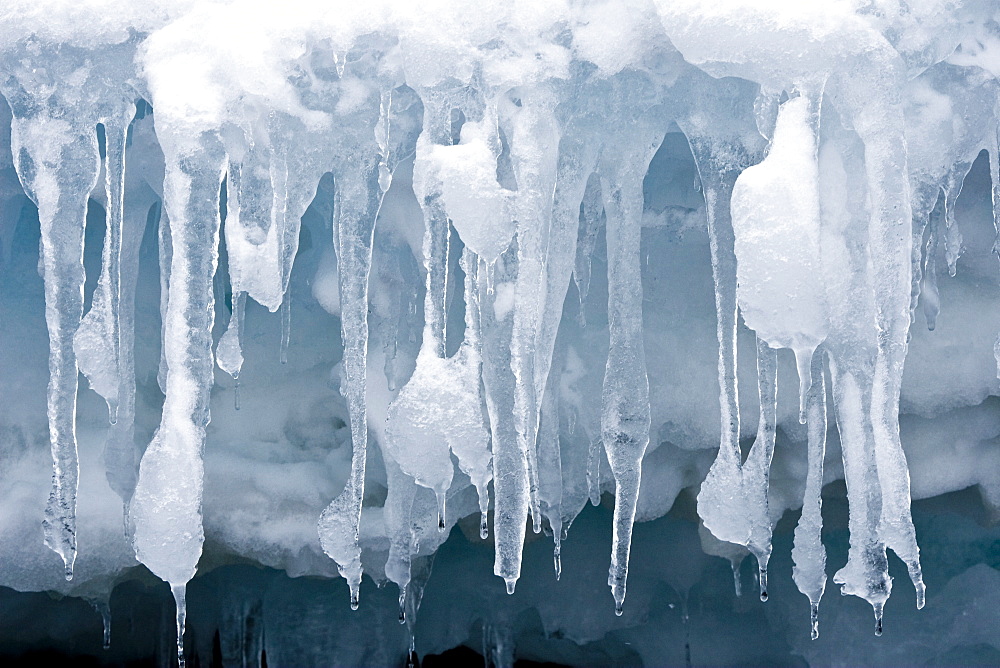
534 156
58 164
808 554
358 200
510 478
625 414
165 512
881 127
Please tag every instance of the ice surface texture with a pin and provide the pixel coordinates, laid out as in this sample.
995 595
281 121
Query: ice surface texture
465 172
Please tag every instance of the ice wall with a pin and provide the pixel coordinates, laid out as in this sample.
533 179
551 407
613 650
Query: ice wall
467 172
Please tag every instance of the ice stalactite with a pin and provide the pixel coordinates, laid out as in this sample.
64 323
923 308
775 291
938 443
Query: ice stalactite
880 123
534 141
851 351
358 195
510 482
98 341
100 605
165 512
720 502
625 413
142 181
427 186
756 469
56 156
550 476
358 200
808 554
591 212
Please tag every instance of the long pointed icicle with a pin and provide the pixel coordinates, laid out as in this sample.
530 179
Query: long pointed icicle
41 147
808 554
510 482
625 414
721 511
358 200
97 342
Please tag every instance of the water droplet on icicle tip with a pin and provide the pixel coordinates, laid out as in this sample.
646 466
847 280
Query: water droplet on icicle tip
511 583
536 523
557 562
878 619
354 598
814 620
484 527
619 608
921 595
113 412
763 584
68 572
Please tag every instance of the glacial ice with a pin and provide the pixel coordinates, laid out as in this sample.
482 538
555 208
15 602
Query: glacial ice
498 221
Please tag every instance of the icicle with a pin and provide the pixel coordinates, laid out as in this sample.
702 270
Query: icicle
104 610
882 130
180 603
722 515
165 246
286 327
931 300
121 452
534 156
358 200
591 211
165 511
808 554
229 351
427 187
594 472
550 470
510 478
41 146
97 343
757 468
625 413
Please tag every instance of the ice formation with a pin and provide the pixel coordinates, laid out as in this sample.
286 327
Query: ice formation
468 168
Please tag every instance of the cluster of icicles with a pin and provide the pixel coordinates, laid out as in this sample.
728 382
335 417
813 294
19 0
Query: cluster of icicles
810 229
